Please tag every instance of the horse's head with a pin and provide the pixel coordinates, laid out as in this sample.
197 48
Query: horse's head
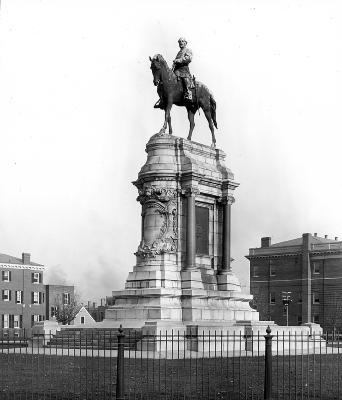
157 65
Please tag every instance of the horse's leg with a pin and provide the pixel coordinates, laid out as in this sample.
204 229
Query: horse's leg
169 122
211 125
167 119
191 117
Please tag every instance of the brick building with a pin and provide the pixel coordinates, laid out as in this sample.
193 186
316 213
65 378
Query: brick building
56 296
24 297
97 311
310 268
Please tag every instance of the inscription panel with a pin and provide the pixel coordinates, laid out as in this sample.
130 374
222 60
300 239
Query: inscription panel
202 230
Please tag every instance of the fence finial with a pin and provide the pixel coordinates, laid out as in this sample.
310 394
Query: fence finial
268 330
120 329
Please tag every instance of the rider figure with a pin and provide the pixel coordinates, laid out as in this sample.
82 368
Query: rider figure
181 67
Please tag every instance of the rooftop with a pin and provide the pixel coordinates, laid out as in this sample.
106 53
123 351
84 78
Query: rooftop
299 241
295 246
6 259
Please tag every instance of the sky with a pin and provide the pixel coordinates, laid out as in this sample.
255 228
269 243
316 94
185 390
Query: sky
76 111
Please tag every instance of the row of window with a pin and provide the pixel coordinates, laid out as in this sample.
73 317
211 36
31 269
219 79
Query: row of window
258 270
315 298
10 321
36 277
36 297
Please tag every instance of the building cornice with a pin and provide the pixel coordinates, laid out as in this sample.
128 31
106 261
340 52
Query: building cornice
250 257
22 266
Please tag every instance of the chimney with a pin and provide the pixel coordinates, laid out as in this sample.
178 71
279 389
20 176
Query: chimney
325 236
336 237
25 257
315 234
266 241
89 305
94 305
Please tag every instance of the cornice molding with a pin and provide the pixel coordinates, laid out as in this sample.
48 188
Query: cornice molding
21 266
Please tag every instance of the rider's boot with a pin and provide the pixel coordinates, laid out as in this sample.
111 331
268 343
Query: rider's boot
188 93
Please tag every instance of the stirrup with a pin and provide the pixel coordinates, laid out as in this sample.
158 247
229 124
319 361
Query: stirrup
158 104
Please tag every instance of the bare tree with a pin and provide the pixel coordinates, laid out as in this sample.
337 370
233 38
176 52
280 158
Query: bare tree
66 308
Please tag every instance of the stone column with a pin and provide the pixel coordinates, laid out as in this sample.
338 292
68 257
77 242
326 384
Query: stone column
228 201
226 280
191 229
190 275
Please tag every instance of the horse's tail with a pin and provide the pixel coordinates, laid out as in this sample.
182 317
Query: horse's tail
213 110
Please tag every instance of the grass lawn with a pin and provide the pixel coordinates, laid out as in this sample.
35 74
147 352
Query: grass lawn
26 376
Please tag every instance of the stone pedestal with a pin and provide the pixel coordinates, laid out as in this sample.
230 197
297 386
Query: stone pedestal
183 274
183 283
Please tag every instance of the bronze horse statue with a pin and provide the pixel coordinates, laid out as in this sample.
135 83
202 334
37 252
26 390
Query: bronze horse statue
171 91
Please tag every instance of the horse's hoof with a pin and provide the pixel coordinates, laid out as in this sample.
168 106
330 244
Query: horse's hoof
213 145
188 138
161 132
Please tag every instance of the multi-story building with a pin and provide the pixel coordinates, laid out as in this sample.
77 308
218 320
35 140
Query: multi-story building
58 296
22 291
306 273
24 299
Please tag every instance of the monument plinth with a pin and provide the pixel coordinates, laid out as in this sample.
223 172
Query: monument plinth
183 272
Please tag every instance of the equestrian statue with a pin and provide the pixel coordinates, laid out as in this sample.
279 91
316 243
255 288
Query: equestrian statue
177 86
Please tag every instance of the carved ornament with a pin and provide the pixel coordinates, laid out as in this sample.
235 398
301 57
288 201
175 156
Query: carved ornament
160 239
162 194
191 191
227 200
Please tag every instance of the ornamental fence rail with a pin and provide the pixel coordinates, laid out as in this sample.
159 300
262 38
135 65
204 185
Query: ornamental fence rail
125 364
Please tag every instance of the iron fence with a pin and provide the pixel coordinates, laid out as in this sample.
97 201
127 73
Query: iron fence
108 364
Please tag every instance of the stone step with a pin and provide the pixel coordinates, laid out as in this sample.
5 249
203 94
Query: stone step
94 339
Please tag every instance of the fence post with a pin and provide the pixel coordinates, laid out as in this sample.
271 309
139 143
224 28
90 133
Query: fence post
120 370
268 365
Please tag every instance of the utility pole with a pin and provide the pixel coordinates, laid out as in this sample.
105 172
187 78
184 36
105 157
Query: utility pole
286 302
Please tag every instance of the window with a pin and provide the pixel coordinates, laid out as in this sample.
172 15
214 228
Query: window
315 298
66 299
53 311
299 320
5 321
272 269
6 295
316 319
36 318
256 271
316 267
36 277
16 321
37 297
82 320
19 296
272 298
300 300
6 276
